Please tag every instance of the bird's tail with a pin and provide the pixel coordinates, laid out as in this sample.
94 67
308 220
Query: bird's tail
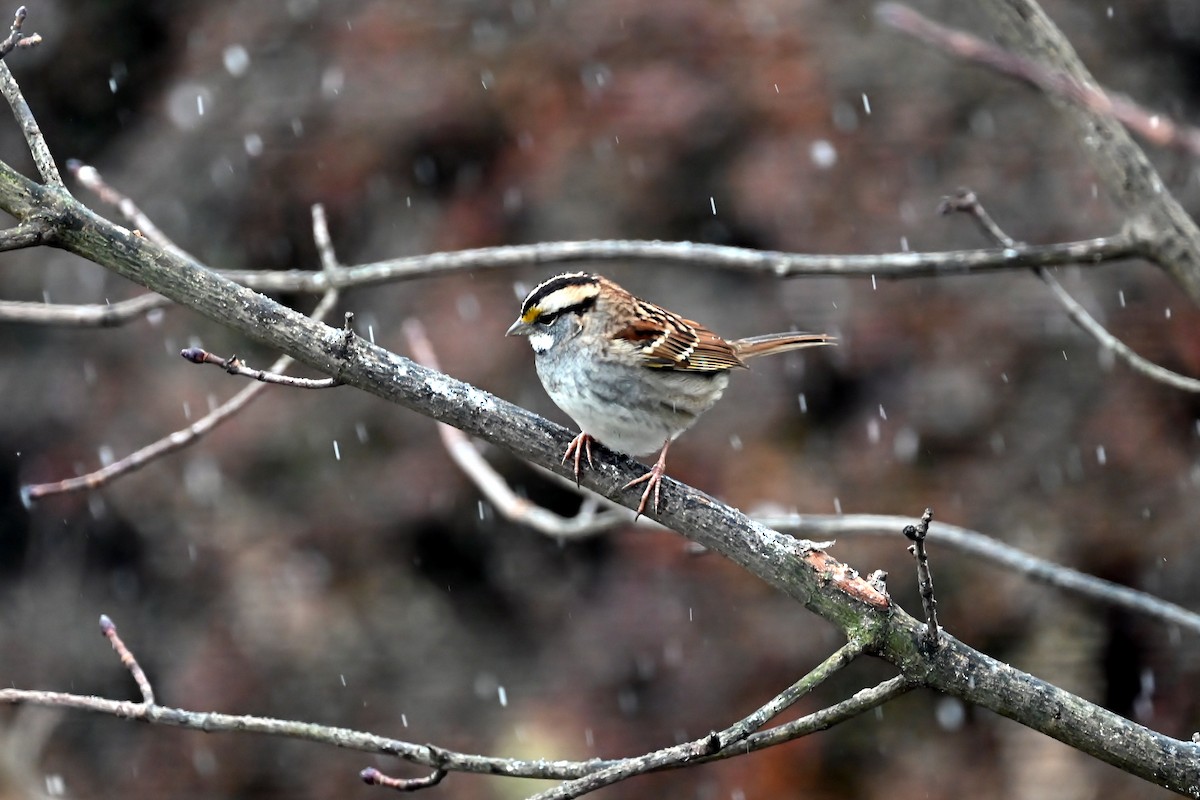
767 344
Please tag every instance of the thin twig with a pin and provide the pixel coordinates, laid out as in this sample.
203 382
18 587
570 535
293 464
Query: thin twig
1086 252
16 38
709 748
30 233
888 265
995 552
964 201
107 315
139 677
186 436
234 366
91 179
916 534
1158 129
493 486
12 92
323 241
435 758
373 777
788 697
967 202
1122 351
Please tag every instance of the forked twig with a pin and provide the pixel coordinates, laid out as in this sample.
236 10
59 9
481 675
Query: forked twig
966 202
916 534
740 737
186 436
12 92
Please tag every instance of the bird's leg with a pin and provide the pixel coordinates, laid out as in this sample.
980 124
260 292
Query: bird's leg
579 445
653 481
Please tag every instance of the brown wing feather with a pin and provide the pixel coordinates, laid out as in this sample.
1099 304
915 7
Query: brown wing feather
668 341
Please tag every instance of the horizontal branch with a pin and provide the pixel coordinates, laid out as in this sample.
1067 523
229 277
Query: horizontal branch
105 315
739 259
27 234
785 265
214 722
715 746
426 755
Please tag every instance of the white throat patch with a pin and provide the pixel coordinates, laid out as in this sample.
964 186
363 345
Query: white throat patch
540 341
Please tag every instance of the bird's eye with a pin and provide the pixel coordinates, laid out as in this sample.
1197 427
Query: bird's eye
548 317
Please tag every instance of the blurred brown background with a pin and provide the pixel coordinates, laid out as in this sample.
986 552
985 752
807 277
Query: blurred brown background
257 573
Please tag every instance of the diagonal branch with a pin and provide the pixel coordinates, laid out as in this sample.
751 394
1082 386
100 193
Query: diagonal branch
1158 129
493 486
715 745
90 178
967 202
12 92
182 438
1022 27
26 234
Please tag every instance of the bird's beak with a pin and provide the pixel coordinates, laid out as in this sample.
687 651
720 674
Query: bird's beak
519 328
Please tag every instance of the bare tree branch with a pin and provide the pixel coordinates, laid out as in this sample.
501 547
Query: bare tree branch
16 37
234 366
27 234
493 486
716 744
81 316
186 436
1122 351
1084 253
739 259
799 569
736 740
917 534
995 552
967 202
1168 232
1158 129
373 777
127 659
91 179
12 92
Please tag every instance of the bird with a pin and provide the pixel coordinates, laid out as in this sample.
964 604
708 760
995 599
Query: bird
632 374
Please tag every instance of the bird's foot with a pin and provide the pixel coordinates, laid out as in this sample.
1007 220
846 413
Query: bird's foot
580 445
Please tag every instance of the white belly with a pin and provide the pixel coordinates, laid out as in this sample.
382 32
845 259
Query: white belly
628 414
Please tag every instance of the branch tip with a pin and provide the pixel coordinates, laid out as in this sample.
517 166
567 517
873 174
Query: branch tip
109 629
373 777
196 355
916 534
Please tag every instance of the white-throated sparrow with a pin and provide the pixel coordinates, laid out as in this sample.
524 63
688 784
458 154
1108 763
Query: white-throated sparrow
631 374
